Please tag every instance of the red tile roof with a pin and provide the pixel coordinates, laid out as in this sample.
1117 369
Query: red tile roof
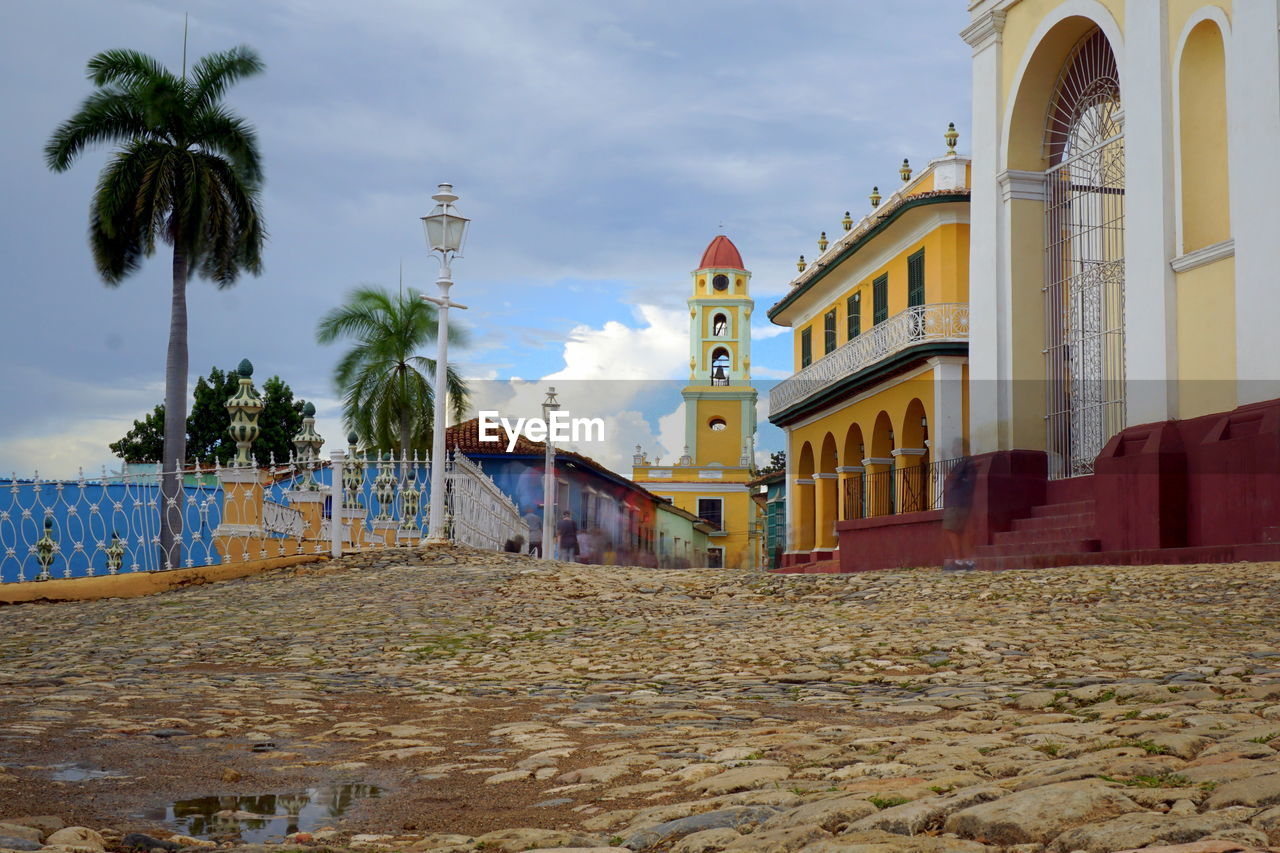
721 254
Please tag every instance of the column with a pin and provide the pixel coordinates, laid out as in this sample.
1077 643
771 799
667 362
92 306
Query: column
825 510
800 534
946 426
1253 102
1150 302
990 327
910 480
878 470
850 491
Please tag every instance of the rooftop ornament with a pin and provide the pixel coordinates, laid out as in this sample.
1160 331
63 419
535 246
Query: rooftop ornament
847 222
822 242
800 264
952 137
905 171
875 196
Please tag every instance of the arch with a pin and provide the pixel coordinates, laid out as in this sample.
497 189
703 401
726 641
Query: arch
915 425
721 363
879 475
1202 164
853 497
913 470
826 495
802 521
1022 129
720 327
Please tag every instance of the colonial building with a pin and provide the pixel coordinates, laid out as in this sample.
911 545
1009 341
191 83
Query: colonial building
877 405
1124 356
710 477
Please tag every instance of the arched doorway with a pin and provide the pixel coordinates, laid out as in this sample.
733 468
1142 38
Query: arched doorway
802 521
1084 257
853 486
826 495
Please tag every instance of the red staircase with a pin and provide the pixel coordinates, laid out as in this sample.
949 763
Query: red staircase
1056 534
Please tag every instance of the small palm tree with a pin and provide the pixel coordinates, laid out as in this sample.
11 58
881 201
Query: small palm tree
186 171
386 395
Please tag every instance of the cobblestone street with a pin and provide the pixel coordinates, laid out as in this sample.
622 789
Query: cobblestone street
451 700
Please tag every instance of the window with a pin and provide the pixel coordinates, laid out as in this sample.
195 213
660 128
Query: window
855 315
719 326
715 558
720 282
806 347
711 510
720 367
915 279
718 425
880 299
829 331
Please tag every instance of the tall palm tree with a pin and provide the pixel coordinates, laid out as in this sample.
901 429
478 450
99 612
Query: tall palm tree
185 170
386 395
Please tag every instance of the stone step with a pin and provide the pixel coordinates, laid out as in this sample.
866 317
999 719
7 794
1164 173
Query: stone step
1068 508
1050 522
1057 533
1034 549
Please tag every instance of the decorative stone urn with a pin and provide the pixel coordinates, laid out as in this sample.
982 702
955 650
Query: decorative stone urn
306 445
245 406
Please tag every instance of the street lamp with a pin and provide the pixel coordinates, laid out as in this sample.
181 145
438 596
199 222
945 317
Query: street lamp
549 405
446 231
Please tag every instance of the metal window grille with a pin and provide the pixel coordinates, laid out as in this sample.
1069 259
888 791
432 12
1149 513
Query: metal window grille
806 348
829 331
854 307
711 510
1084 256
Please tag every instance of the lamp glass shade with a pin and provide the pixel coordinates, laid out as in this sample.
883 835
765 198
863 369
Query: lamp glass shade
446 230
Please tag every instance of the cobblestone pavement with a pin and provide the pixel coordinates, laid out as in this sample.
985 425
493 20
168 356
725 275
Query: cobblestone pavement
448 700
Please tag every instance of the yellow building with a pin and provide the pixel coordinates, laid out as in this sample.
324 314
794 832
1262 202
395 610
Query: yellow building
1124 218
878 400
710 477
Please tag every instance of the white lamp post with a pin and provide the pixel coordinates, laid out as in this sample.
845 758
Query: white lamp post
549 405
446 231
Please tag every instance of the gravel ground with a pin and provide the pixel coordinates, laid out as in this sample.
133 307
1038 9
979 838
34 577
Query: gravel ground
444 699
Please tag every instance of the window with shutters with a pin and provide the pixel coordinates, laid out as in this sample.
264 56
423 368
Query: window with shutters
829 331
915 279
880 299
854 306
806 347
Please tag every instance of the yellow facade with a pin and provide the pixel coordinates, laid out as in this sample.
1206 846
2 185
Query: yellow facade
1194 354
710 477
874 405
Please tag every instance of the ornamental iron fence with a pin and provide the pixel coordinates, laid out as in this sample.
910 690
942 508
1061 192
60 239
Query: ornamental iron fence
912 488
112 524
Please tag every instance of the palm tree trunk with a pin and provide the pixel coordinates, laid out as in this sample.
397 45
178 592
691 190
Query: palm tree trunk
175 417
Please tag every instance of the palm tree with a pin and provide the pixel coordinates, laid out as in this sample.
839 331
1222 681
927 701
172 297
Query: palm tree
186 170
386 396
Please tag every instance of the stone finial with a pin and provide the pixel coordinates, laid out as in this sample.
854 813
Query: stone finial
905 171
686 458
245 406
847 222
800 264
875 196
307 444
822 242
638 457
952 137
352 439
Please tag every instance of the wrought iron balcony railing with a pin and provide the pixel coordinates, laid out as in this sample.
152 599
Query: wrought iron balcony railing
944 321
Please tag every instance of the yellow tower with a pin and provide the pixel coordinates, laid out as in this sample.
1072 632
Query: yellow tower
710 477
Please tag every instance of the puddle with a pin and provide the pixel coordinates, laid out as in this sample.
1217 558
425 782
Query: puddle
266 817
77 773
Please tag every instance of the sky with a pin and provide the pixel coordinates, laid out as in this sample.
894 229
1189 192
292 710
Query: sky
596 147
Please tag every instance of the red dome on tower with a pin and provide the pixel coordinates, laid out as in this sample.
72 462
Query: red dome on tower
721 254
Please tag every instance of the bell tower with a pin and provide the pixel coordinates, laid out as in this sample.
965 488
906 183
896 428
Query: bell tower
720 403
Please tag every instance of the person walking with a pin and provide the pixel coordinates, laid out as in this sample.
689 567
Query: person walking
534 521
567 533
957 499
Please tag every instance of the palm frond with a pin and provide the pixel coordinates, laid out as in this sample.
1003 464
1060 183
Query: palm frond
105 117
128 68
213 74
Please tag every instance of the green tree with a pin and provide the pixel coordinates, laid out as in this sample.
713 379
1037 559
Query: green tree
387 397
144 442
185 171
777 462
207 439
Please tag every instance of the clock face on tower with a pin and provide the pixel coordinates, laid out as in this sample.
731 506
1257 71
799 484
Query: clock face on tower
720 282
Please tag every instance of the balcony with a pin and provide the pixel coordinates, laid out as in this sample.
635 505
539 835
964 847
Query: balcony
941 322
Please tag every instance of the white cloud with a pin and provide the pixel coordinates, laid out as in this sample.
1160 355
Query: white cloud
764 333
